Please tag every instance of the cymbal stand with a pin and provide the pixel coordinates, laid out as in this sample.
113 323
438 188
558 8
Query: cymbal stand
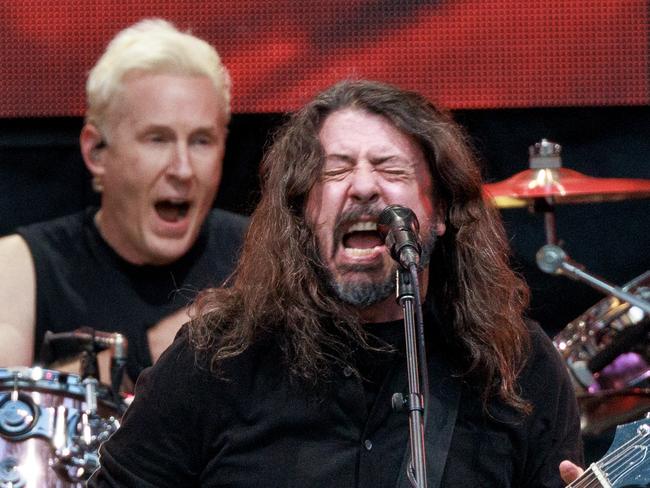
545 159
553 259
546 207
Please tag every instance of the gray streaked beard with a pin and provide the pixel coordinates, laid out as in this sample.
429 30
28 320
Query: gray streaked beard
362 295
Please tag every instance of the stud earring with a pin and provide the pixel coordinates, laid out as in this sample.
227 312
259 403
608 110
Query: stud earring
97 184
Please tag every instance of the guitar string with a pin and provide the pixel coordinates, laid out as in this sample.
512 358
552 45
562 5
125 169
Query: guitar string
617 467
617 456
609 462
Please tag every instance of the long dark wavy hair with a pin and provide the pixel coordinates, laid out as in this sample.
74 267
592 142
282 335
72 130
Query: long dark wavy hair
278 286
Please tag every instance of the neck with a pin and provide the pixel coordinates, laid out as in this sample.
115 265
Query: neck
389 309
104 229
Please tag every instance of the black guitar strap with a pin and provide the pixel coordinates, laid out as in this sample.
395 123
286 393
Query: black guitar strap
444 395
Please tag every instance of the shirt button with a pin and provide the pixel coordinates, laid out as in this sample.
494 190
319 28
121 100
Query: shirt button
347 371
367 444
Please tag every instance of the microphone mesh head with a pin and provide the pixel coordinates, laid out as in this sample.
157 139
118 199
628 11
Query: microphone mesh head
396 217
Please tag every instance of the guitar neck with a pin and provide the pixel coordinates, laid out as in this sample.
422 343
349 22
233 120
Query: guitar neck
625 464
593 477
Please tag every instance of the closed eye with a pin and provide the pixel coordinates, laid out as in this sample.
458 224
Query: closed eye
335 173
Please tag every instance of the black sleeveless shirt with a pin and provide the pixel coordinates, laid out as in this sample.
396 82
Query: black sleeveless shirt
82 282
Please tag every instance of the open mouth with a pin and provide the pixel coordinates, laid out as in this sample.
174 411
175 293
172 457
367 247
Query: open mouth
361 239
172 210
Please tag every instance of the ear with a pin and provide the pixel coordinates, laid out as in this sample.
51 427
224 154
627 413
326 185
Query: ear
92 145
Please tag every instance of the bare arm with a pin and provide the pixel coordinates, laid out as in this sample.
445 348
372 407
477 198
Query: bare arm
17 302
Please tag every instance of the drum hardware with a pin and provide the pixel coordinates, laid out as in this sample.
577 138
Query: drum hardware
88 342
546 179
553 260
547 183
603 410
77 441
52 423
607 348
51 426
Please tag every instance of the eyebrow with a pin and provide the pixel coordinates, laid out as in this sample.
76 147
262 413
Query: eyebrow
337 156
374 161
211 129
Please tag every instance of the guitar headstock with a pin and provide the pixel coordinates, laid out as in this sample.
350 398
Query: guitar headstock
627 462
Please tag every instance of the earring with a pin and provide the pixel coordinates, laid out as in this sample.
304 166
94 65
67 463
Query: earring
97 184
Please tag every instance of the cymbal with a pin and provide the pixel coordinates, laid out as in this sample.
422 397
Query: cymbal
562 185
547 179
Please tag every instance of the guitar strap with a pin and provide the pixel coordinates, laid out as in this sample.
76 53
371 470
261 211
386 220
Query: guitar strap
442 406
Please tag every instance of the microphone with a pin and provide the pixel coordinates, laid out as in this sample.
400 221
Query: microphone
399 229
65 345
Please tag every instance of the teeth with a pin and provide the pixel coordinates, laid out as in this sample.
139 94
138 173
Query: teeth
362 226
353 251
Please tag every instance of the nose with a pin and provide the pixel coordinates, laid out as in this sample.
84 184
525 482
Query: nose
364 185
180 165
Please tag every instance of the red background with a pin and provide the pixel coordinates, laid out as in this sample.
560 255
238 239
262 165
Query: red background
462 54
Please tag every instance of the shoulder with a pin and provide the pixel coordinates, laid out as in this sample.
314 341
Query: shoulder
545 381
553 427
60 229
57 242
12 246
184 375
175 375
15 255
544 370
543 352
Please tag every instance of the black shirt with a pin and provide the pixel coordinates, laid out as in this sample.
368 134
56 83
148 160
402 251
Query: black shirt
82 282
255 427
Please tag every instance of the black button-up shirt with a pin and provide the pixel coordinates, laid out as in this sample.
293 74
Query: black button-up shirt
257 428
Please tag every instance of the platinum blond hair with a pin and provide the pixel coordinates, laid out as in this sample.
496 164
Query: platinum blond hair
151 46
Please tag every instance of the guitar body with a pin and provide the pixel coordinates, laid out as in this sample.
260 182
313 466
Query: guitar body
627 462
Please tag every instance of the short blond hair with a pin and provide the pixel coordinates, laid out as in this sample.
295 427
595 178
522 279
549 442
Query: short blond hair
152 46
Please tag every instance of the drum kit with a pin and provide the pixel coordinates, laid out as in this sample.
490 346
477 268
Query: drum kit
51 422
607 348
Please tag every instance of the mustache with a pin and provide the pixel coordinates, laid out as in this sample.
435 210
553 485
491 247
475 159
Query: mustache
351 215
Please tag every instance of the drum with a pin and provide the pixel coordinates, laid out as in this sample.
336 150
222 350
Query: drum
51 425
607 347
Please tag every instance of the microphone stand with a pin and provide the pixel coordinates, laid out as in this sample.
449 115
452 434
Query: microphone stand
408 296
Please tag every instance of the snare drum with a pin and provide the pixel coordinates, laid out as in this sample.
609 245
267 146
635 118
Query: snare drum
50 429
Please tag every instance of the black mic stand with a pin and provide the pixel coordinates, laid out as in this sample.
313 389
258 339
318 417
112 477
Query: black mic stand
408 296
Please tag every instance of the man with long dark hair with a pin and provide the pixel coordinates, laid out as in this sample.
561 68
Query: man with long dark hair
286 377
